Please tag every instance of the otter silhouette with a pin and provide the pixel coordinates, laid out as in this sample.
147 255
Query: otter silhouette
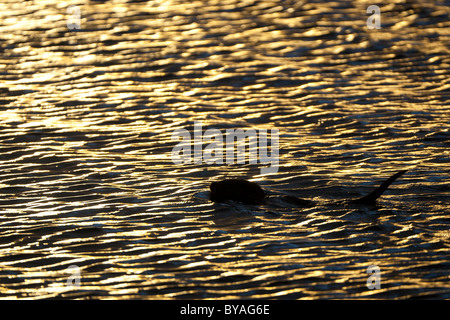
248 192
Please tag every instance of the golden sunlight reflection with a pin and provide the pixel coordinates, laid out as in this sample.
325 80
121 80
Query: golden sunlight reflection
95 203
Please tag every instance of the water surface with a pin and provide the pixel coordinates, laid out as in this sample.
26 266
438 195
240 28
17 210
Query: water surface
87 179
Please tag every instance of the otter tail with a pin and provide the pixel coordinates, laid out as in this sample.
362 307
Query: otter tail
371 198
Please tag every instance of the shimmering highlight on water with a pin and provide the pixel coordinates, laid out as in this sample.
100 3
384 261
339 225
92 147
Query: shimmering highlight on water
86 118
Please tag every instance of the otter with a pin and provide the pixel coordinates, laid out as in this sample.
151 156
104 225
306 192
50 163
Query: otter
248 192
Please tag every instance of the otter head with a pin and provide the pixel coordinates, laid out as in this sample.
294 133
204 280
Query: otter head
238 190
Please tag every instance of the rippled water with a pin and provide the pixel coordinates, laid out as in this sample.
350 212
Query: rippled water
87 180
